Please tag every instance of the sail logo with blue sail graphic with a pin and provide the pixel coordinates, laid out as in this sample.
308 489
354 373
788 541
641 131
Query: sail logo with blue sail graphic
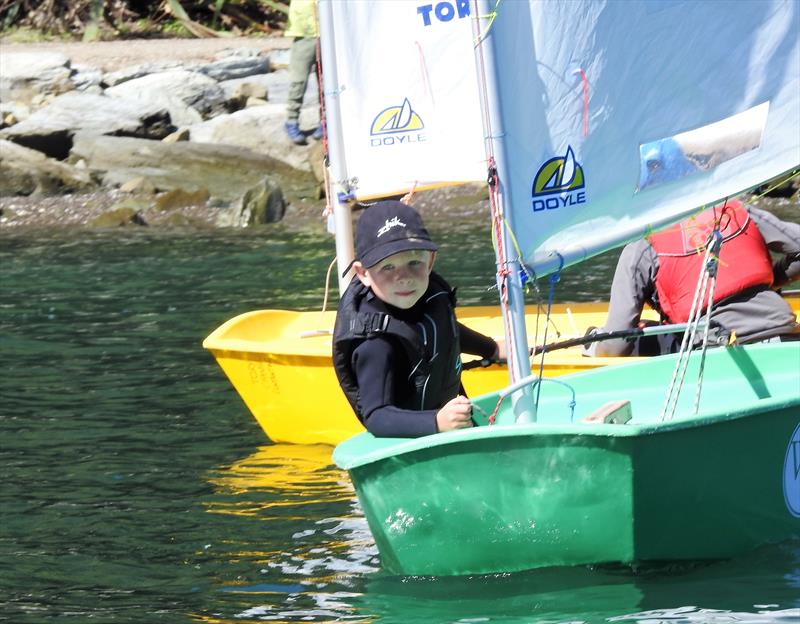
791 474
559 183
397 125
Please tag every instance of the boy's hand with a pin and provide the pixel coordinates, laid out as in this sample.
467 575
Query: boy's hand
455 414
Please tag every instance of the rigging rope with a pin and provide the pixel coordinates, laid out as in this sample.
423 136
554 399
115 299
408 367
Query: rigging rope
491 17
498 218
502 261
704 292
554 278
327 285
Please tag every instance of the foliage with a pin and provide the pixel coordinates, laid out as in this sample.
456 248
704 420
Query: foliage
107 19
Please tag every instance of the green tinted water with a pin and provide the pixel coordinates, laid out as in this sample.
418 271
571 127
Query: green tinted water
136 487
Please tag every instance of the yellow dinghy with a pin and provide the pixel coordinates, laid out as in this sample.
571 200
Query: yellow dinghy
279 361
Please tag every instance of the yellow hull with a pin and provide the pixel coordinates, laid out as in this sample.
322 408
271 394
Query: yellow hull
279 361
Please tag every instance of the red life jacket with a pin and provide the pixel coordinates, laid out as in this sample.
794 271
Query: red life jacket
744 259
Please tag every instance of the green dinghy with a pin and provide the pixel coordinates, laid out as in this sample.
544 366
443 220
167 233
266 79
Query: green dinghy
602 123
509 497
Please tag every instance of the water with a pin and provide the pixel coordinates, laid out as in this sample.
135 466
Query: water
136 487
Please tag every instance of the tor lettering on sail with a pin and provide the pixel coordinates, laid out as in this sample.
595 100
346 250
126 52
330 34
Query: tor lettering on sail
443 11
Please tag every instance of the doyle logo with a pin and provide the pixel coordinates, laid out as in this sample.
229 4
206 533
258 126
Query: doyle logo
397 125
443 11
558 183
389 224
791 474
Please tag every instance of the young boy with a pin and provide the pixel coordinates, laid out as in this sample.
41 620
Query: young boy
396 344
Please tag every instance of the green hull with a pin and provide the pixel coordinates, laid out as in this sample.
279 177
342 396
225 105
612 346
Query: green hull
558 492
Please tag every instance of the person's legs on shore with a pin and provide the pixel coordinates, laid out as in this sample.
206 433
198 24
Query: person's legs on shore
302 60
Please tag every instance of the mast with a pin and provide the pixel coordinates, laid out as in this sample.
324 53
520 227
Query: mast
342 214
509 267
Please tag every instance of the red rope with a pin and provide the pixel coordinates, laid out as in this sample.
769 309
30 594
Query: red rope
585 103
493 415
496 210
423 70
328 210
502 269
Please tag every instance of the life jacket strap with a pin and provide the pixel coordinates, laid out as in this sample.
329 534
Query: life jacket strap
368 324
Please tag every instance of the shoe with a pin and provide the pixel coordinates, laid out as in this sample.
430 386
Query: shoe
317 134
294 134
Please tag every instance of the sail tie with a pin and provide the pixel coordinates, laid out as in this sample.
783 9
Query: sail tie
491 15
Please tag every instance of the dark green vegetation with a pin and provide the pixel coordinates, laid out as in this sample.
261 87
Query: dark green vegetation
112 19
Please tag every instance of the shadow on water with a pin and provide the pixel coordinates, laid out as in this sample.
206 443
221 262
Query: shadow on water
747 589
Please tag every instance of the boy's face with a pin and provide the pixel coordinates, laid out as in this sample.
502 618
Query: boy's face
399 280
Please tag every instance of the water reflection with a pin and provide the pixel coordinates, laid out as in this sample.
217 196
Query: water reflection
748 589
279 475
306 545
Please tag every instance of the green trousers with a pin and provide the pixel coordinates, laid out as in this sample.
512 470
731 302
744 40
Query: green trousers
302 61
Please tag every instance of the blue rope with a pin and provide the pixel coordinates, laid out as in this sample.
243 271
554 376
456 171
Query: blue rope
571 404
554 279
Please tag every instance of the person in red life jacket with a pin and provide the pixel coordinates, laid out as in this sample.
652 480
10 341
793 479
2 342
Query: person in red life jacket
396 342
663 270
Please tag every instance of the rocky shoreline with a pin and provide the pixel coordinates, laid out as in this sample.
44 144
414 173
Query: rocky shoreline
188 134
173 133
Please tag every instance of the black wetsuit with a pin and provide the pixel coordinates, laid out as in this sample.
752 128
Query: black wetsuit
398 380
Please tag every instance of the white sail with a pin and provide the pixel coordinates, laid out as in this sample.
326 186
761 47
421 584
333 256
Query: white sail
615 118
407 112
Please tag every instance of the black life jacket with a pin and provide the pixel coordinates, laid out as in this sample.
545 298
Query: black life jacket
431 346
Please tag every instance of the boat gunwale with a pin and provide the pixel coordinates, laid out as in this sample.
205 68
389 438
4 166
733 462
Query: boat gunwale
393 447
284 345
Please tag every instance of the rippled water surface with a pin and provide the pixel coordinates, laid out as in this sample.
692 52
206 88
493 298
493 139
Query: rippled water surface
136 487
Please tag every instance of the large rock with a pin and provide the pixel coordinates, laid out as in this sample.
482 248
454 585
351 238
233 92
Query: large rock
238 92
25 171
132 72
86 77
260 129
260 204
52 128
227 172
232 67
175 91
24 75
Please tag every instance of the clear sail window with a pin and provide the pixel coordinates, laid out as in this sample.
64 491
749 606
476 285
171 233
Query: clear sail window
701 149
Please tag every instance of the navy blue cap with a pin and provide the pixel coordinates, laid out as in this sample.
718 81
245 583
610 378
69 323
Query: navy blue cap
389 227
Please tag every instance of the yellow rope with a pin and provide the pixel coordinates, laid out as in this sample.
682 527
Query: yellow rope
781 183
327 285
491 17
